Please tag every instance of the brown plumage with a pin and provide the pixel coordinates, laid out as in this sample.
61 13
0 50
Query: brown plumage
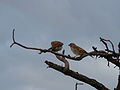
56 46
77 50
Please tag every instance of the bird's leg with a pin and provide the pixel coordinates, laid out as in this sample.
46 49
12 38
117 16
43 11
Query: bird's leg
108 64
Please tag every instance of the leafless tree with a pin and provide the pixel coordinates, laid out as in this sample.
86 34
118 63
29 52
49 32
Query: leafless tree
108 54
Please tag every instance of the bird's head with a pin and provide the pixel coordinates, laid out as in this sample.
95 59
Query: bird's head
71 44
56 43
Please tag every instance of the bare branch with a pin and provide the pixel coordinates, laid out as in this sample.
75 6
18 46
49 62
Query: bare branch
64 61
46 50
92 53
42 50
109 55
77 76
107 49
13 38
94 48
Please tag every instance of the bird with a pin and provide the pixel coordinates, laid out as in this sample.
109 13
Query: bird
78 51
56 46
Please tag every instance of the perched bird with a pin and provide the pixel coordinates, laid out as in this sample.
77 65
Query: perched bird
77 50
56 46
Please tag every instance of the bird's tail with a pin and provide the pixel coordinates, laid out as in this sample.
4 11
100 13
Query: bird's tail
89 55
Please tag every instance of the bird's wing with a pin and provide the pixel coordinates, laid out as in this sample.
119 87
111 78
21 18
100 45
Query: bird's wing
56 44
81 49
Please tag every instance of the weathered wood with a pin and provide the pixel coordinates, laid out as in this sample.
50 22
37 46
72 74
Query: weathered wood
76 75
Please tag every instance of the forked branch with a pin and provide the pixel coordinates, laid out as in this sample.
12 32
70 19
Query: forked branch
42 50
104 41
92 53
109 55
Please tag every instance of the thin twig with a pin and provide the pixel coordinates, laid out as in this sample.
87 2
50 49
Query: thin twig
104 42
94 48
119 47
13 38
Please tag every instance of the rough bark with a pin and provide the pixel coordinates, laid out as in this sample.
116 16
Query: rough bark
76 75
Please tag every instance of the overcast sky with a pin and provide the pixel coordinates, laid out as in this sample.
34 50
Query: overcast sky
37 23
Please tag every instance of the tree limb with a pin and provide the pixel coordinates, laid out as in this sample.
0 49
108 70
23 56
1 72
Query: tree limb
109 55
42 50
77 76
92 53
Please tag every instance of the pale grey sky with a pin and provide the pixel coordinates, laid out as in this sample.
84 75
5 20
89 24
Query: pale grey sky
37 23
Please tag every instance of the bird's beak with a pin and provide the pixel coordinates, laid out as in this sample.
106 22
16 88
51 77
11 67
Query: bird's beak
68 44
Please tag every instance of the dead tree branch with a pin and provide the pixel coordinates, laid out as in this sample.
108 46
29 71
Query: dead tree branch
107 54
109 57
64 61
100 53
77 76
42 50
104 41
